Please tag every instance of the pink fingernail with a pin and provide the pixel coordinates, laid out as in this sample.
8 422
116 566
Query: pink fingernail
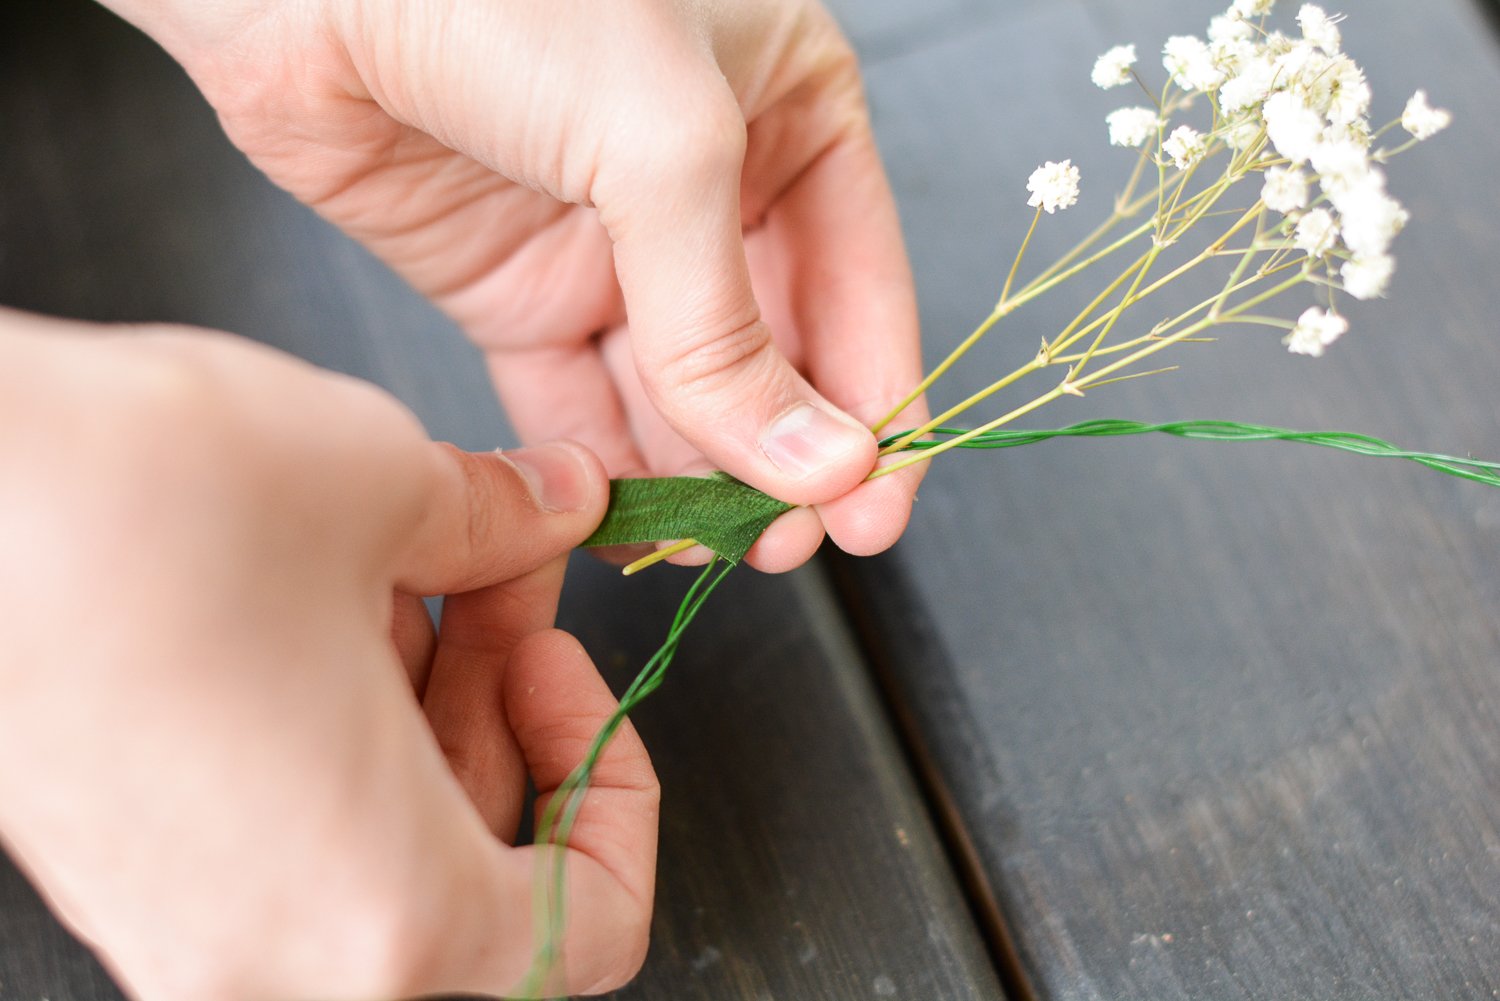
557 477
805 440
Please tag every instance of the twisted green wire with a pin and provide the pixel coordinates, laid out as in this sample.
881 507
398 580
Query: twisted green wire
556 824
557 820
1476 470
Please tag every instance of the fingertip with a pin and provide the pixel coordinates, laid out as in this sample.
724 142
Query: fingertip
870 519
693 556
789 542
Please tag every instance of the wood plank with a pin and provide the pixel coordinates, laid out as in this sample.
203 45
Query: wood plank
797 860
1219 720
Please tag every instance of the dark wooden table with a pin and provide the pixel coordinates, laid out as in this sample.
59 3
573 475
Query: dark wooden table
1144 719
1212 720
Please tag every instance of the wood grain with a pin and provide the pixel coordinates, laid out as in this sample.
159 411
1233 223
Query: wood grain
1220 721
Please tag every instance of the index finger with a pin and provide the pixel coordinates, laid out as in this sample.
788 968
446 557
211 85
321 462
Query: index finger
855 304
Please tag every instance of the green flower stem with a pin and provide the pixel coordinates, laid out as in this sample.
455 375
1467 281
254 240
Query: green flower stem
1075 330
1050 278
1016 264
940 447
1168 340
943 367
1119 310
1070 387
1125 208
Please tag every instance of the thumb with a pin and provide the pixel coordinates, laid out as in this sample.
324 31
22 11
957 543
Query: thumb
492 517
705 357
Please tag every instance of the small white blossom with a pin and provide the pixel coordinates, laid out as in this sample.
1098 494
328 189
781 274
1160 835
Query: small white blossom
1285 189
1341 165
1300 66
1186 146
1278 44
1053 186
1191 64
1367 277
1370 218
1242 132
1113 68
1356 132
1316 233
1349 92
1293 127
1131 126
1358 193
1315 330
1231 54
1319 29
1421 119
1227 27
1252 8
1249 87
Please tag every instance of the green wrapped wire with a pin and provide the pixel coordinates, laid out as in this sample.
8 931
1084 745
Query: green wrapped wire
1477 470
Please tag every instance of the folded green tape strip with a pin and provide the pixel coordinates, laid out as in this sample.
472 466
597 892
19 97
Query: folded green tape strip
717 511
728 516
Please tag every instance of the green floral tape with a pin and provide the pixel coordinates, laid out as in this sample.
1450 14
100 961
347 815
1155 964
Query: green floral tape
719 511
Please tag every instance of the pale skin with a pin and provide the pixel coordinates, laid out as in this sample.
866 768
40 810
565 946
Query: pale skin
233 753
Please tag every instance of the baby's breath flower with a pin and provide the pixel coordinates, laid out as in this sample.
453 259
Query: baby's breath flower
1131 126
1316 233
1356 132
1228 26
1370 218
1251 8
1293 127
1231 54
1113 68
1278 43
1367 277
1249 86
1421 119
1349 92
1053 186
1340 164
1188 59
1186 146
1240 133
1319 29
1285 189
1315 330
1300 67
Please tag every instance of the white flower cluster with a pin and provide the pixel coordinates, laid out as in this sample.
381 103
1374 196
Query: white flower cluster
1053 186
1297 106
1315 330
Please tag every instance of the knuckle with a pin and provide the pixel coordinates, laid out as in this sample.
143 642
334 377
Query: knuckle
163 419
706 363
693 140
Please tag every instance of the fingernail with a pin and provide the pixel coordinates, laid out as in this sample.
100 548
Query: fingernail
557 477
805 440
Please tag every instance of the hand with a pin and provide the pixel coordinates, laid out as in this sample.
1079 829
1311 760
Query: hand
232 752
541 169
